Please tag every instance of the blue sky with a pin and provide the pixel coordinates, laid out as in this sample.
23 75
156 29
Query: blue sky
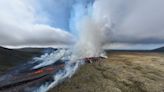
60 12
127 24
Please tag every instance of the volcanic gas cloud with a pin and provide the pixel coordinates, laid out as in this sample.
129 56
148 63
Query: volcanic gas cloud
90 28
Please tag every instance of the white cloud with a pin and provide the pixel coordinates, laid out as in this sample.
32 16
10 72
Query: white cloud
20 25
129 46
133 21
26 23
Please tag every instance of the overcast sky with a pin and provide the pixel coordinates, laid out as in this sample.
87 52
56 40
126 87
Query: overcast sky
132 24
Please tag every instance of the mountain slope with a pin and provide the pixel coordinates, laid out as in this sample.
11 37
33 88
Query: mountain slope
159 49
10 57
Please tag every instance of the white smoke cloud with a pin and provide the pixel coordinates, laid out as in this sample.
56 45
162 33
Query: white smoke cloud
70 67
20 25
90 30
90 41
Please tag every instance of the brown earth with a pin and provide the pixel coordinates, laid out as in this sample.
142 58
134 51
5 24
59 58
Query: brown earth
121 72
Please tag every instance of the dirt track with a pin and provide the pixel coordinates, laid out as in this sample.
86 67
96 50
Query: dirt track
121 72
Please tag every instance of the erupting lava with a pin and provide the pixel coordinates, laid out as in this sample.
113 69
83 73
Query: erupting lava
27 80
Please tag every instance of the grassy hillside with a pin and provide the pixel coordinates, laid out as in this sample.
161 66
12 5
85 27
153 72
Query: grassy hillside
121 72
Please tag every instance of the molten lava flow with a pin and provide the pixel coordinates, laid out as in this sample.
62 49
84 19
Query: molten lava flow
38 72
50 69
37 77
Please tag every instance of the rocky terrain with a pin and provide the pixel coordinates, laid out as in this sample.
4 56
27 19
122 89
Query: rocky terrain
121 72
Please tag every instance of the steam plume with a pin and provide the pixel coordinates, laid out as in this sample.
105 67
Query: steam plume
90 30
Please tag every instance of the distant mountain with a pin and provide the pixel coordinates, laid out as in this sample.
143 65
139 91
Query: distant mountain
12 57
161 49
